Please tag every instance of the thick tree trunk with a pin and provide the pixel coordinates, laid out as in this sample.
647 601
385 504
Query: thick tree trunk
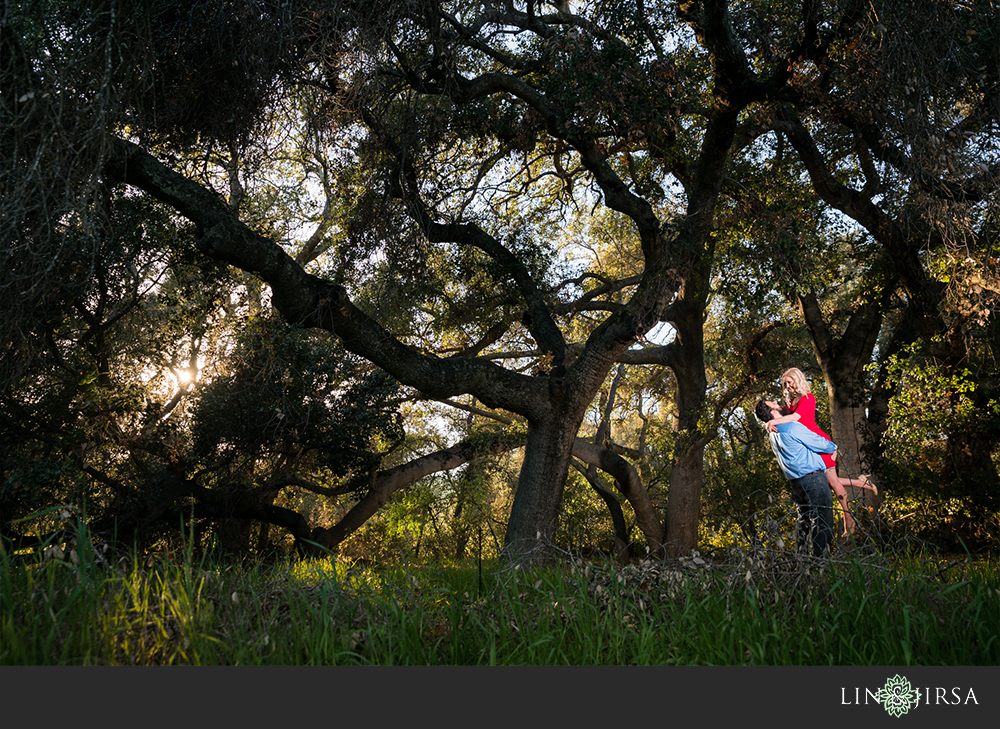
842 362
531 528
686 358
848 427
688 364
684 504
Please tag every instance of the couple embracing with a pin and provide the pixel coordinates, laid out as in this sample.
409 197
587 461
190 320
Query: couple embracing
807 458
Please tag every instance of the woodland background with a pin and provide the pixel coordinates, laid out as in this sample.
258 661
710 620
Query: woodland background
444 279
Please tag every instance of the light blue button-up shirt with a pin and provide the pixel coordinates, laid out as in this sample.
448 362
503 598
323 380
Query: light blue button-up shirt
797 449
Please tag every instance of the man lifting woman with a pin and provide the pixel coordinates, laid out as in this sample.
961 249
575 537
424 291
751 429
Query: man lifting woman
800 407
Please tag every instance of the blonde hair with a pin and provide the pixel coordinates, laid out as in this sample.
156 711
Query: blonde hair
800 385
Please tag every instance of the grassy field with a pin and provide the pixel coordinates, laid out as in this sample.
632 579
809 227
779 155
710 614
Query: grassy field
737 608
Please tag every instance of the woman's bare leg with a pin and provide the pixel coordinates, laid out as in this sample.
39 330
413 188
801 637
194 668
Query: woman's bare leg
836 483
864 482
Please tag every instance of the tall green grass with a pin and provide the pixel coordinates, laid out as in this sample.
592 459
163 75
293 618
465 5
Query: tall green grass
745 608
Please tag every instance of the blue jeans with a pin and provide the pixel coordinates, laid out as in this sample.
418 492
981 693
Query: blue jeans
812 493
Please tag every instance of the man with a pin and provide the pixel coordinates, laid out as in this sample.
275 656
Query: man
798 452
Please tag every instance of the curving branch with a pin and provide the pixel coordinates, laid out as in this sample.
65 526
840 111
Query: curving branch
388 482
629 483
537 317
312 301
617 194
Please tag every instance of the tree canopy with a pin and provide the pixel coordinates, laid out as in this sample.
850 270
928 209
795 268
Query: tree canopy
252 250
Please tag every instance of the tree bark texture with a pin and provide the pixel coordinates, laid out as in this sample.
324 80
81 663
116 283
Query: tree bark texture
842 362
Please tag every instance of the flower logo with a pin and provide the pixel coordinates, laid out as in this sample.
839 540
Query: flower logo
897 696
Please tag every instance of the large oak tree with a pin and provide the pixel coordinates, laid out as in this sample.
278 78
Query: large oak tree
454 137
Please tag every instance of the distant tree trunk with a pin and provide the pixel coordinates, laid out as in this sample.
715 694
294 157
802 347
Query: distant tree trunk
618 523
842 362
848 427
630 485
603 434
461 532
466 483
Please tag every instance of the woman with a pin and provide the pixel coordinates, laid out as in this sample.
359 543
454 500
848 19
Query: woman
801 406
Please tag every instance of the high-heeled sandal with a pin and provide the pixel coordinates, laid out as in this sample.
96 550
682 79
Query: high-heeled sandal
866 480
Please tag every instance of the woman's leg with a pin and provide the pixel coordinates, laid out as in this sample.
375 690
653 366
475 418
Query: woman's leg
837 484
862 482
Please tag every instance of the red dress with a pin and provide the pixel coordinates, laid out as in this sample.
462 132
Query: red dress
806 408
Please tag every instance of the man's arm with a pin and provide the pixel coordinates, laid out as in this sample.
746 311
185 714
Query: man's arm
815 443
